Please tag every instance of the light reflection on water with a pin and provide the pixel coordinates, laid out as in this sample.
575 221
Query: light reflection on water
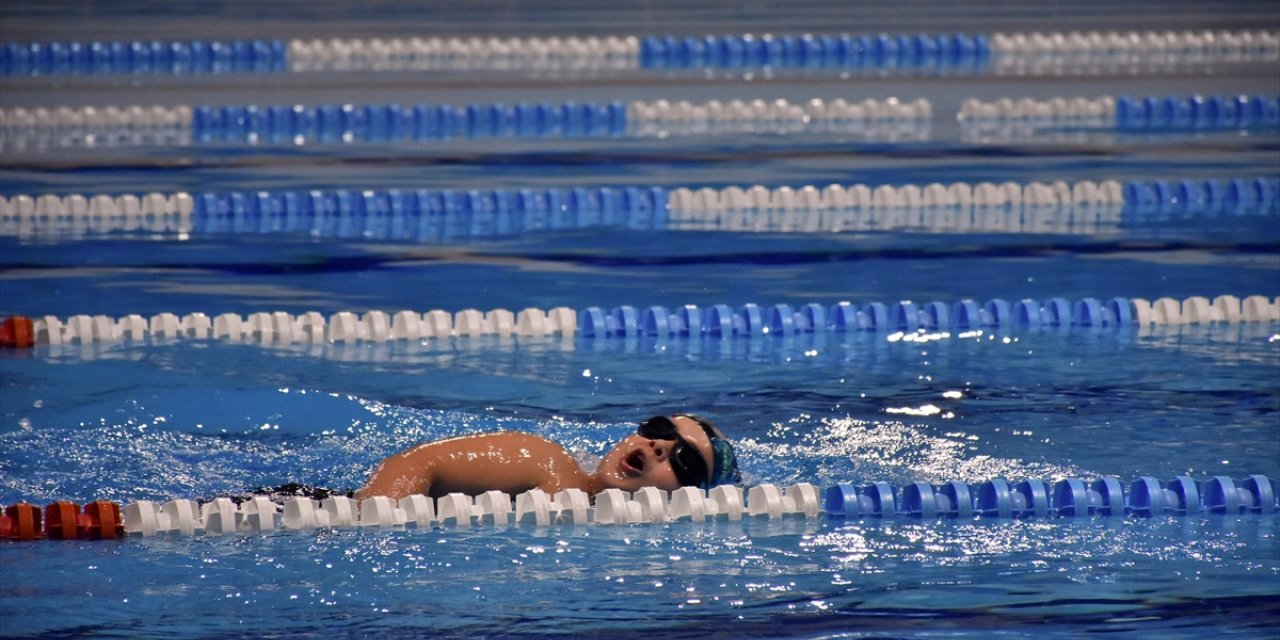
1007 572
1014 574
1018 571
138 455
850 449
125 421
139 421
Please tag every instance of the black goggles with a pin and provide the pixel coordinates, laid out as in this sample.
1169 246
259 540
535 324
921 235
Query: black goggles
686 460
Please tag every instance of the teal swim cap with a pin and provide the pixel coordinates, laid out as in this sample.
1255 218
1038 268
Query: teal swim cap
723 456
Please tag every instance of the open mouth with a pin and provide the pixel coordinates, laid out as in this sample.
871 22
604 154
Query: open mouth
633 464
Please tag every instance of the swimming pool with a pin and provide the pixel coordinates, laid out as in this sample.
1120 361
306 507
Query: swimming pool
148 417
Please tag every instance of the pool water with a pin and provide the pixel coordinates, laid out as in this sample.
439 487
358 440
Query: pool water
157 419
201 420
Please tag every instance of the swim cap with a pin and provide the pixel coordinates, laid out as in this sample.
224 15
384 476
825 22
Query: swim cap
725 461
726 469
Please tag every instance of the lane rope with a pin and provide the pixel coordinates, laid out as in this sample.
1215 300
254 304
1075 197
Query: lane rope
903 319
1124 113
638 118
426 215
1146 496
1007 53
889 118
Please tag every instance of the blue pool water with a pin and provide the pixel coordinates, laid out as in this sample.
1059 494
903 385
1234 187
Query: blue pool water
156 420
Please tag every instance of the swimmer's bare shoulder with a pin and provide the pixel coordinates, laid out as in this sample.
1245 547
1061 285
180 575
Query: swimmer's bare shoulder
507 461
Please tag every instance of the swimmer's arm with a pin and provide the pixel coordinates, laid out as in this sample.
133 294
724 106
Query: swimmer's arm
508 462
403 474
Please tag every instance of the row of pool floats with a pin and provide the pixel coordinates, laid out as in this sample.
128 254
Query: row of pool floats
1126 113
946 52
426 214
714 321
995 499
394 122
640 118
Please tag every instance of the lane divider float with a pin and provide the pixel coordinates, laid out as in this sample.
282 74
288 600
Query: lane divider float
1124 113
1024 53
1132 52
899 319
347 123
890 119
995 499
139 57
1104 201
426 215
98 520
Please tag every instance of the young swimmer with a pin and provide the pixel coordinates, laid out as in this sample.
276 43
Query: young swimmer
665 452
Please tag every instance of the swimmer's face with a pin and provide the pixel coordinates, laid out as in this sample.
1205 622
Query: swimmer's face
638 461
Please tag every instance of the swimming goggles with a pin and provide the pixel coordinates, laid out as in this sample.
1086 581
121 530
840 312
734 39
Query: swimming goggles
686 460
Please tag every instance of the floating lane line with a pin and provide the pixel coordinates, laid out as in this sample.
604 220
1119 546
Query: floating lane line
1021 53
901 319
1103 497
639 118
889 120
348 123
1150 114
434 215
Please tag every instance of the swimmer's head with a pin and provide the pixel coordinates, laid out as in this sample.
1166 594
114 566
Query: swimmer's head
669 452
